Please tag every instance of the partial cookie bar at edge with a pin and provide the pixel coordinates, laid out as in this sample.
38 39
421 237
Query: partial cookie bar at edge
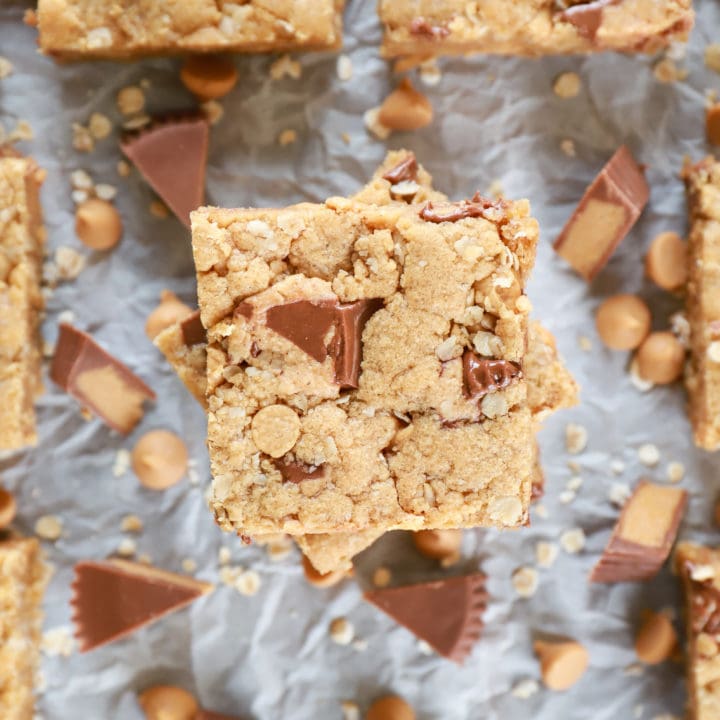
22 248
531 27
699 570
285 444
127 29
23 578
702 376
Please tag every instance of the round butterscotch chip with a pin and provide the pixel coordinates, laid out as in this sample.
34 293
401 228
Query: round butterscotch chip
562 664
390 707
623 322
159 459
660 358
98 224
656 639
165 702
209 77
666 261
319 579
275 430
171 310
8 508
405 109
438 544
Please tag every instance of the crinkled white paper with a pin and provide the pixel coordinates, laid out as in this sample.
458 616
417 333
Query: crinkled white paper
270 656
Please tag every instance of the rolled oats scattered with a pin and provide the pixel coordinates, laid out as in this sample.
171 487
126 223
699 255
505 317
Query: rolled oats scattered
666 71
567 496
49 527
100 126
136 122
224 555
541 511
573 540
341 631
546 553
130 100
58 642
189 565
525 689
344 67
574 483
105 191
83 140
285 66
122 463
617 467
70 263
371 118
81 180
675 472
248 583
649 455
576 438
619 493
131 523
525 581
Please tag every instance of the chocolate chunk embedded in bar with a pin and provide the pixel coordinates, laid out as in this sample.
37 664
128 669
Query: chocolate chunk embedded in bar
172 156
608 210
98 381
447 614
643 536
587 17
699 571
485 375
406 169
192 329
113 599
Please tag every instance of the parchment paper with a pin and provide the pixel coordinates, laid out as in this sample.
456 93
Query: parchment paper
269 656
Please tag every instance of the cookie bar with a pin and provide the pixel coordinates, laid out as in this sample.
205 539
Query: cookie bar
22 242
699 571
23 577
702 376
354 352
426 28
127 29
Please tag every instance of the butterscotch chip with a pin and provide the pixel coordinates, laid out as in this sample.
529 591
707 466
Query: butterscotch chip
165 702
170 311
98 224
438 544
390 707
405 109
159 459
567 85
712 123
666 261
660 358
623 322
318 579
562 664
209 77
8 508
275 430
656 639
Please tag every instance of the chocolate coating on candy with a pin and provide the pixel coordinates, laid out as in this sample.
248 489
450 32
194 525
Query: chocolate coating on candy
484 375
295 472
407 169
308 325
587 17
452 212
193 331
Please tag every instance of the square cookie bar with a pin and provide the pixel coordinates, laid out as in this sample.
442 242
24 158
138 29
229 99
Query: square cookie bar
126 29
355 352
22 243
426 28
702 376
699 571
23 577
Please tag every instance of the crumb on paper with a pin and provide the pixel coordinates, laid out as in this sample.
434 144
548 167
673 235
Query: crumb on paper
99 126
344 68
568 147
123 168
617 467
350 710
712 56
341 631
6 68
136 122
23 131
638 382
573 540
649 455
213 111
371 118
189 565
127 547
69 262
82 139
525 689
567 496
131 523
546 553
576 438
285 66
122 462
675 472
130 100
667 71
287 137
104 191
49 527
58 642
619 493
224 555
541 511
525 581
159 210
567 85
430 74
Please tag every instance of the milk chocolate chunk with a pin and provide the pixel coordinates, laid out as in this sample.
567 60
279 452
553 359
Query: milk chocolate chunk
447 614
295 472
192 330
98 381
643 535
114 598
485 375
326 328
172 157
608 210
587 17
406 169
